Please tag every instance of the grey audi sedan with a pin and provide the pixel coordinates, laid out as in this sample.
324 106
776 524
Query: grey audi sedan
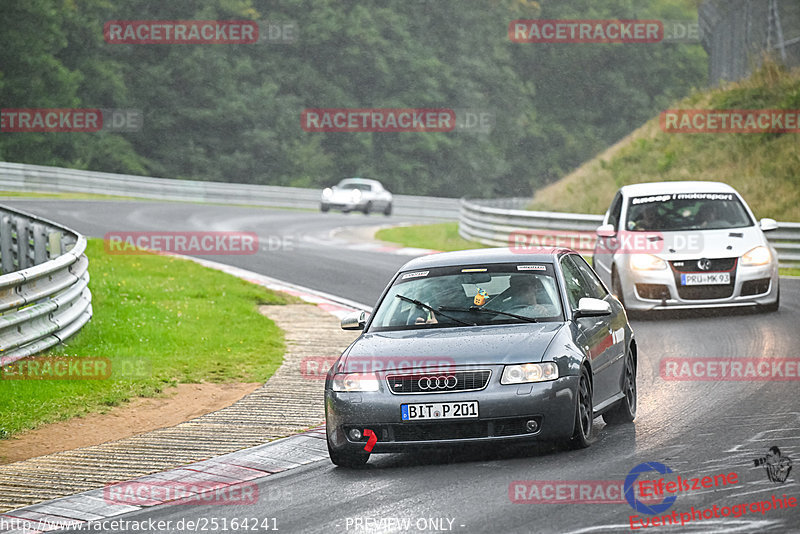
482 346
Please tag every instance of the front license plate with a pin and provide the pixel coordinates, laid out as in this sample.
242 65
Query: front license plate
439 410
705 279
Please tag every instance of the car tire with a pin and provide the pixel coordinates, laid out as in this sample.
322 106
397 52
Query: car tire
582 435
769 308
324 208
616 286
388 209
367 208
625 410
347 459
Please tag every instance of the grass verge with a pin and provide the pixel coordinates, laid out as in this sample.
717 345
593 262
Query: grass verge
159 321
763 167
441 236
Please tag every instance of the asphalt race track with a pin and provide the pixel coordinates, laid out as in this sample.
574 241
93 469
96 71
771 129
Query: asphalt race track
696 428
295 246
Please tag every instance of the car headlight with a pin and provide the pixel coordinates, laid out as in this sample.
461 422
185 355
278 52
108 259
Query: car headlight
758 256
529 372
355 382
327 192
355 194
647 262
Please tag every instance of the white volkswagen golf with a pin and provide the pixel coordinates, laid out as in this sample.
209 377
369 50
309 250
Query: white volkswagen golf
686 245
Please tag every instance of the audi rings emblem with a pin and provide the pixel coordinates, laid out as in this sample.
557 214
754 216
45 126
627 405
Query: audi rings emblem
429 383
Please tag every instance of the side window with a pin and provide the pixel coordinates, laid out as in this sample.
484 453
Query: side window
615 211
594 288
573 282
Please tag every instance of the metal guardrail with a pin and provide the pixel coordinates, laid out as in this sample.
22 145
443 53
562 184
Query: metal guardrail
486 222
490 224
786 240
44 293
38 178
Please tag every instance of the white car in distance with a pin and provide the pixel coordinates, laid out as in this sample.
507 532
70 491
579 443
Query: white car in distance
357 194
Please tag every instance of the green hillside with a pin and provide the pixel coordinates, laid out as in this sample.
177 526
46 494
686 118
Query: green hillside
764 168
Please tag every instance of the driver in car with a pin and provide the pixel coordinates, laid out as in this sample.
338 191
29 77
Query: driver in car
528 296
708 214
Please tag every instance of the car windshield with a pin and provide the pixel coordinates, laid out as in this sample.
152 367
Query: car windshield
686 211
458 296
354 185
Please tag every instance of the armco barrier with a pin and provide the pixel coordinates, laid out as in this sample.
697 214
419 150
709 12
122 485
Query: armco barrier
492 222
38 178
44 293
485 221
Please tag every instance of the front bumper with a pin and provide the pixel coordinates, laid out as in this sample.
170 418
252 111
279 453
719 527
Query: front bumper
344 206
660 290
503 413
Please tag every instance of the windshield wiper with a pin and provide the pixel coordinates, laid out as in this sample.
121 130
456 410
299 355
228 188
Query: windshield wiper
489 310
432 309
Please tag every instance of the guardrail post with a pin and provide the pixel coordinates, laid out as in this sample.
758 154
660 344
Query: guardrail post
54 239
39 243
23 240
7 244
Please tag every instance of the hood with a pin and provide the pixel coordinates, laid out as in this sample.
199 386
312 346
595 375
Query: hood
442 347
346 193
729 243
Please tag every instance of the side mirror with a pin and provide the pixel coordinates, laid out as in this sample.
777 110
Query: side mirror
354 321
606 230
768 224
588 307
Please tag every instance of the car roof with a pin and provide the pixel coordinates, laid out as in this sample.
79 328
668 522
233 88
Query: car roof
655 188
360 181
487 255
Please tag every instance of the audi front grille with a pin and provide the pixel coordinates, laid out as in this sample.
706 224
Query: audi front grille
438 382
